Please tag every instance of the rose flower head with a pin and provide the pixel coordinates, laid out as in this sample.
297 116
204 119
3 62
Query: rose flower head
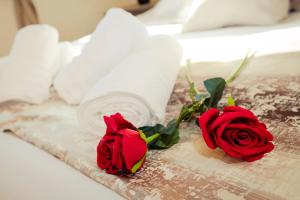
122 150
237 131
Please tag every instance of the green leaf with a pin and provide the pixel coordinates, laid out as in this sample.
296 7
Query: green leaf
215 87
138 165
230 101
169 135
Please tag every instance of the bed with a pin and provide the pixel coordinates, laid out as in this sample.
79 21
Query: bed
28 172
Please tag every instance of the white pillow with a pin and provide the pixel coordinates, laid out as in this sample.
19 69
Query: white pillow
168 11
219 13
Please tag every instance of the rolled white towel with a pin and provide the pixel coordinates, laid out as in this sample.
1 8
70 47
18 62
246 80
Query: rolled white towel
27 72
139 87
116 36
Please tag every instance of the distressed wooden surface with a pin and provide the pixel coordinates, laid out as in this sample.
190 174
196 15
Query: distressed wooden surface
188 170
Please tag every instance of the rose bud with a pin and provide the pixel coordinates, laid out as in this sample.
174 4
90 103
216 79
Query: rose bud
122 150
237 132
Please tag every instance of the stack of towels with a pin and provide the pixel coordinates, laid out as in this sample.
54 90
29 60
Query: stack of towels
121 69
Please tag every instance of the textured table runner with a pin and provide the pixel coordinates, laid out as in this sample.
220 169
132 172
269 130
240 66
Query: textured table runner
270 87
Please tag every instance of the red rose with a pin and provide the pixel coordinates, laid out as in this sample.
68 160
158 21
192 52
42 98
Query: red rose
237 132
121 150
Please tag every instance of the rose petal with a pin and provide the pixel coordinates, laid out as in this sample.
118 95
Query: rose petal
116 122
264 129
258 124
205 121
227 148
232 138
237 109
134 148
111 125
256 149
106 150
230 135
243 138
270 147
252 158
111 170
220 131
122 123
229 116
224 144
102 160
117 160
262 134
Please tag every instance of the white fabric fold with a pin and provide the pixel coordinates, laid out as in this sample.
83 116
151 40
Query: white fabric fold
214 14
139 87
66 53
26 74
168 12
117 35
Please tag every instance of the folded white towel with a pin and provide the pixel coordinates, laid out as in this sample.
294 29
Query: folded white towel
27 72
139 87
116 36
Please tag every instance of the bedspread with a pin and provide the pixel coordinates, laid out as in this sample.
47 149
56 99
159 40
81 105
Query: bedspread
270 87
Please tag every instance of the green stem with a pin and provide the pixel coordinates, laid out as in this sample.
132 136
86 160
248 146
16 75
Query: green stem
188 75
187 112
187 72
243 64
179 120
152 137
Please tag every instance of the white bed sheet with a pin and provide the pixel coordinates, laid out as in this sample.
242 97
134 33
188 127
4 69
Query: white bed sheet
30 173
229 43
232 43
